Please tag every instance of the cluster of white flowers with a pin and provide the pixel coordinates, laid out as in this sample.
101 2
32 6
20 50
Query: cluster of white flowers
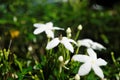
90 62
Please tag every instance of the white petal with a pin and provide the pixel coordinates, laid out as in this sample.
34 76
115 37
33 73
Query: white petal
50 33
98 71
97 46
66 67
66 62
80 58
71 40
91 53
53 43
84 69
85 42
38 25
60 69
57 28
49 25
101 62
67 44
39 30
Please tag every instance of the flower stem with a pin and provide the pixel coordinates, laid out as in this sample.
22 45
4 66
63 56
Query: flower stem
113 58
77 35
41 71
10 44
77 50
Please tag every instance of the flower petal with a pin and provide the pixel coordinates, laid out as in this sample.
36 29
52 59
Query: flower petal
101 62
57 28
49 25
85 42
98 71
66 62
97 46
91 53
81 58
38 25
71 40
53 43
84 69
39 30
50 33
67 44
60 69
65 67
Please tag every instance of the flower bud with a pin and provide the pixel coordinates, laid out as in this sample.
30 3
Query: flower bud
80 27
15 19
1 54
41 70
68 30
77 77
69 35
60 58
30 48
14 75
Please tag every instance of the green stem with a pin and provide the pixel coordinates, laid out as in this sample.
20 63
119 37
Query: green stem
77 50
62 50
51 51
67 54
41 71
10 44
113 58
77 35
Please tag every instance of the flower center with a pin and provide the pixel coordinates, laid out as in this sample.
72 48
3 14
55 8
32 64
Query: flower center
93 61
60 37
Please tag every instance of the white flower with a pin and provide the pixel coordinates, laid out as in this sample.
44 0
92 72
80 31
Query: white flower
90 44
63 40
48 28
90 62
63 63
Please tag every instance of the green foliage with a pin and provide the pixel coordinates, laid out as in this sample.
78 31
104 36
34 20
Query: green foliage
16 23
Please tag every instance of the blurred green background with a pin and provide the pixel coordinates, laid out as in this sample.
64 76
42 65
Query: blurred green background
18 16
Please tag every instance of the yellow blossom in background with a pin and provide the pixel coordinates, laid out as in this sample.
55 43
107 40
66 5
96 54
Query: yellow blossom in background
14 33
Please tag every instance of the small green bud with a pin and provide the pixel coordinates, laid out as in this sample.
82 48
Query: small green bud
41 70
